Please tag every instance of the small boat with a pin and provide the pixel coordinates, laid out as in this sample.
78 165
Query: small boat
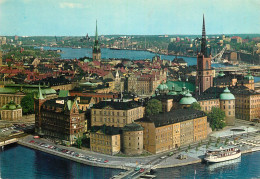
76 47
221 155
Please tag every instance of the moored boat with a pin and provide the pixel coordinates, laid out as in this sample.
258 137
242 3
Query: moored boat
221 155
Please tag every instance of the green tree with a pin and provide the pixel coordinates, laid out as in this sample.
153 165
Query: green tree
226 141
179 149
189 147
216 118
79 142
27 104
195 105
153 107
197 148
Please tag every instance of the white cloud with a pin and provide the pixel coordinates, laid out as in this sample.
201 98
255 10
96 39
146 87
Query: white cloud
71 5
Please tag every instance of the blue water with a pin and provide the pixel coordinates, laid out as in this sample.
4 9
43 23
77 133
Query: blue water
23 163
246 167
69 53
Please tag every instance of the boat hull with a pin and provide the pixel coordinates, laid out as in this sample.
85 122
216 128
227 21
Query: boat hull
222 159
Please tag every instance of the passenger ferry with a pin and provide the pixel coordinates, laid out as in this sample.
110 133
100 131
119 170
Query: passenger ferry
221 155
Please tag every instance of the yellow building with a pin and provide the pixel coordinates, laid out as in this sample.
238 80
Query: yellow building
247 105
105 139
170 130
11 112
116 113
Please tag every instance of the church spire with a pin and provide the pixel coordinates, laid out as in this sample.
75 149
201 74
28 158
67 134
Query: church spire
203 39
40 93
96 35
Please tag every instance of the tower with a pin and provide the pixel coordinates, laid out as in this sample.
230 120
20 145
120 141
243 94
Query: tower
96 54
204 77
38 101
1 58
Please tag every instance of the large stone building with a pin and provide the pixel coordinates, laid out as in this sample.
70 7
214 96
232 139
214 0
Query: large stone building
223 80
144 84
11 112
59 118
247 105
105 139
132 137
173 129
116 113
15 92
204 78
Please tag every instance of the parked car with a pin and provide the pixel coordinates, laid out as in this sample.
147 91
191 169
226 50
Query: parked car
141 170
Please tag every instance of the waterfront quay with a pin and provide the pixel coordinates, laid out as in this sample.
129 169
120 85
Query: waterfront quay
247 139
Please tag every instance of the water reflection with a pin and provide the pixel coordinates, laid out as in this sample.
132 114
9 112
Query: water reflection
227 165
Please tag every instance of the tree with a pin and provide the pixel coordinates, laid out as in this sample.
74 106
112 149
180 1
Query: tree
226 141
195 105
27 104
189 147
153 107
197 148
79 142
216 118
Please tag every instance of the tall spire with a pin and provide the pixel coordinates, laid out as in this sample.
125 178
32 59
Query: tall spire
40 93
203 39
96 35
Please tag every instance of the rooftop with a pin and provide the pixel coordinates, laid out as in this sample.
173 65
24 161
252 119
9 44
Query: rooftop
173 116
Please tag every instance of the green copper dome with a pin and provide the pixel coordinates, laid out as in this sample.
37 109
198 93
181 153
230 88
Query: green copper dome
162 87
11 106
187 99
249 76
226 95
172 93
221 74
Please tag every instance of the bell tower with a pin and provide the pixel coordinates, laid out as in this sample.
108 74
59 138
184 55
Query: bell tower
96 53
204 77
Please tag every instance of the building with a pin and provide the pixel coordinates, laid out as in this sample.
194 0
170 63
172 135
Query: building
16 92
105 139
59 119
204 78
144 84
132 137
173 129
1 58
11 112
116 113
247 104
96 53
223 80
227 104
236 39
180 61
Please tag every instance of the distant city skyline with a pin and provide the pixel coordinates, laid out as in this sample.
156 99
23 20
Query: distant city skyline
127 17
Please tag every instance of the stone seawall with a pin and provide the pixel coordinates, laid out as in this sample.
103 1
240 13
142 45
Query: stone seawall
80 160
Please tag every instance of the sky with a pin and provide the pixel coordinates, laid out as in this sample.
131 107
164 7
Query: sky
127 17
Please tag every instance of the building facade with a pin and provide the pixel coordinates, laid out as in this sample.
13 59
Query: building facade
115 113
59 119
167 131
105 139
11 112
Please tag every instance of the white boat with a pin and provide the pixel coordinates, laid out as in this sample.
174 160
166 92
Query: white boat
221 155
